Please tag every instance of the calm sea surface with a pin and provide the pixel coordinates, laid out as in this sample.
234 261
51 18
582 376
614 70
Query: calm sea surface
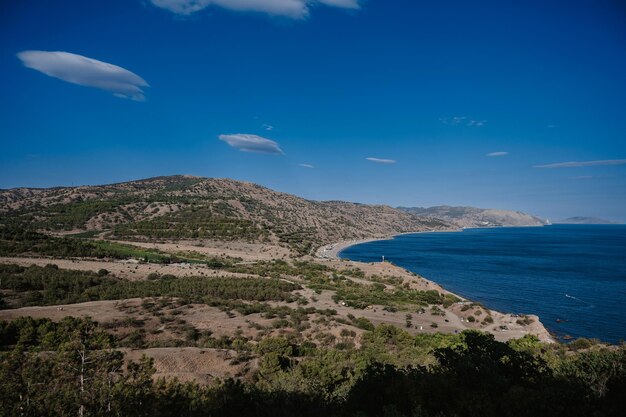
572 276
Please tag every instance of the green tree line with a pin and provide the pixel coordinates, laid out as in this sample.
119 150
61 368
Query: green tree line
49 285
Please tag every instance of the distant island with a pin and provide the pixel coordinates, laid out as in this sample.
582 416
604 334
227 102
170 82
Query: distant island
585 220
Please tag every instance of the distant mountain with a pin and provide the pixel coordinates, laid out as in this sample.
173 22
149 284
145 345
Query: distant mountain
477 217
193 208
585 220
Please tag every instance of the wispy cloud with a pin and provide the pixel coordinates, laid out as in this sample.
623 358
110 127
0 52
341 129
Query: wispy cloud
456 120
267 127
78 69
497 154
306 165
381 160
252 143
294 9
462 121
583 163
346 4
590 177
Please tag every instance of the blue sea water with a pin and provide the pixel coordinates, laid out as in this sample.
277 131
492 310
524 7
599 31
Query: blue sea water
572 276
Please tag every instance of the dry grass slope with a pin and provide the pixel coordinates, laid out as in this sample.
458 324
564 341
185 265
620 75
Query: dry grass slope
187 208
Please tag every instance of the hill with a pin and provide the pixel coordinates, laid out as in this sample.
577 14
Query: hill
477 217
585 220
199 209
194 297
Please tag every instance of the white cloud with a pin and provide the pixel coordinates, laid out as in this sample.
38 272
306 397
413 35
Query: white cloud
477 123
268 127
252 143
462 121
78 69
497 154
456 120
583 163
294 9
182 6
589 177
381 161
346 4
306 165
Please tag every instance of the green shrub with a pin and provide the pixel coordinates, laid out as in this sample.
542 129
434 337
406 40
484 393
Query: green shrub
580 343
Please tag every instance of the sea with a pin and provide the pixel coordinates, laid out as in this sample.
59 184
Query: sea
572 276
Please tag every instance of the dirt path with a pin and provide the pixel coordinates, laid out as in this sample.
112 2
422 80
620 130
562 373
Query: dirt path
245 251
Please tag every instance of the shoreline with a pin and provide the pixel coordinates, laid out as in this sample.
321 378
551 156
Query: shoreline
336 248
331 252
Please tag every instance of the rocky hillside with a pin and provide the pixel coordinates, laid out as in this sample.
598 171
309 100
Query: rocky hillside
477 217
193 208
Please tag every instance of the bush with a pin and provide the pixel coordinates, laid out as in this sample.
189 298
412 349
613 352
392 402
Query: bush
278 345
580 343
363 323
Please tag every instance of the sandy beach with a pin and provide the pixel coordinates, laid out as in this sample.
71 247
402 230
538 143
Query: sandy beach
332 251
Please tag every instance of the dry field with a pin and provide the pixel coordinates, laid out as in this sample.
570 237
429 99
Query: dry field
159 321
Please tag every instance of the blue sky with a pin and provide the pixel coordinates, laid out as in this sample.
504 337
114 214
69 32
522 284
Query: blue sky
426 90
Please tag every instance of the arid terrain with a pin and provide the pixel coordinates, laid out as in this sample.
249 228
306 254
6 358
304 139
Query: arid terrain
161 233
477 217
192 208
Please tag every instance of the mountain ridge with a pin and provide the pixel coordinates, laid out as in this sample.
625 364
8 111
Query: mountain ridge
465 216
191 207
184 207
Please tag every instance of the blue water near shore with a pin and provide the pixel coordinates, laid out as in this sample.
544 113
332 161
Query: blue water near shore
572 276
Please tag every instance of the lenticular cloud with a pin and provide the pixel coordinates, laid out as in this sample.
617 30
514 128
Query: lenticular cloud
252 143
294 9
78 69
381 160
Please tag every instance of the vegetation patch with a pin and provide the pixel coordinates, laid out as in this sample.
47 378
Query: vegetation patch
34 285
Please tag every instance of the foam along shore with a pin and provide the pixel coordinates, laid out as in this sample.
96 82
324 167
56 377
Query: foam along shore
505 326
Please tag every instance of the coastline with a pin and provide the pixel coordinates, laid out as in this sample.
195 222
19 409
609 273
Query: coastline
331 252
